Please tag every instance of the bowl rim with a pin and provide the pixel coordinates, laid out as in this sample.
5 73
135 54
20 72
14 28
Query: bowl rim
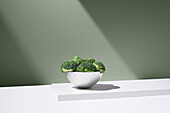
84 72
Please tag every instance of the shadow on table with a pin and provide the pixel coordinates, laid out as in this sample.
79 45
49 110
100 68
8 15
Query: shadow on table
100 87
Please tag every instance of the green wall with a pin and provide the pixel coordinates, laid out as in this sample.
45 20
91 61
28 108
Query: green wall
36 36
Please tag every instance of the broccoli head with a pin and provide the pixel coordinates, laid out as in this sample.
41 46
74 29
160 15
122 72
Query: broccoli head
86 67
99 66
90 60
78 59
70 66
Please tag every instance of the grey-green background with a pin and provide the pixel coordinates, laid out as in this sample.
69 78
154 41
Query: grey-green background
131 37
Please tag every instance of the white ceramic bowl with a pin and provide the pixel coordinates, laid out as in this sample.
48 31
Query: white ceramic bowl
84 79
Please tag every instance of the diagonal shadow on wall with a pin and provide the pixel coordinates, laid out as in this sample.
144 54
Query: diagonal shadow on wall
138 30
14 68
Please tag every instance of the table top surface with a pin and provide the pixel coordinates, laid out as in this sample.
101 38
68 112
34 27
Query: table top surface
113 89
42 99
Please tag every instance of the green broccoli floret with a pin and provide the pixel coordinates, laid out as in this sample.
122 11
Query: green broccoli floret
86 67
90 60
70 66
78 59
100 66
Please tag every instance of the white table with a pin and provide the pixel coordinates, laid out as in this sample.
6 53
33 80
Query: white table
42 99
113 89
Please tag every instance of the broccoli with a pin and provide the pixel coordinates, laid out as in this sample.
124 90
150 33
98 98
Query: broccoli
90 60
78 59
99 66
70 66
82 65
86 67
